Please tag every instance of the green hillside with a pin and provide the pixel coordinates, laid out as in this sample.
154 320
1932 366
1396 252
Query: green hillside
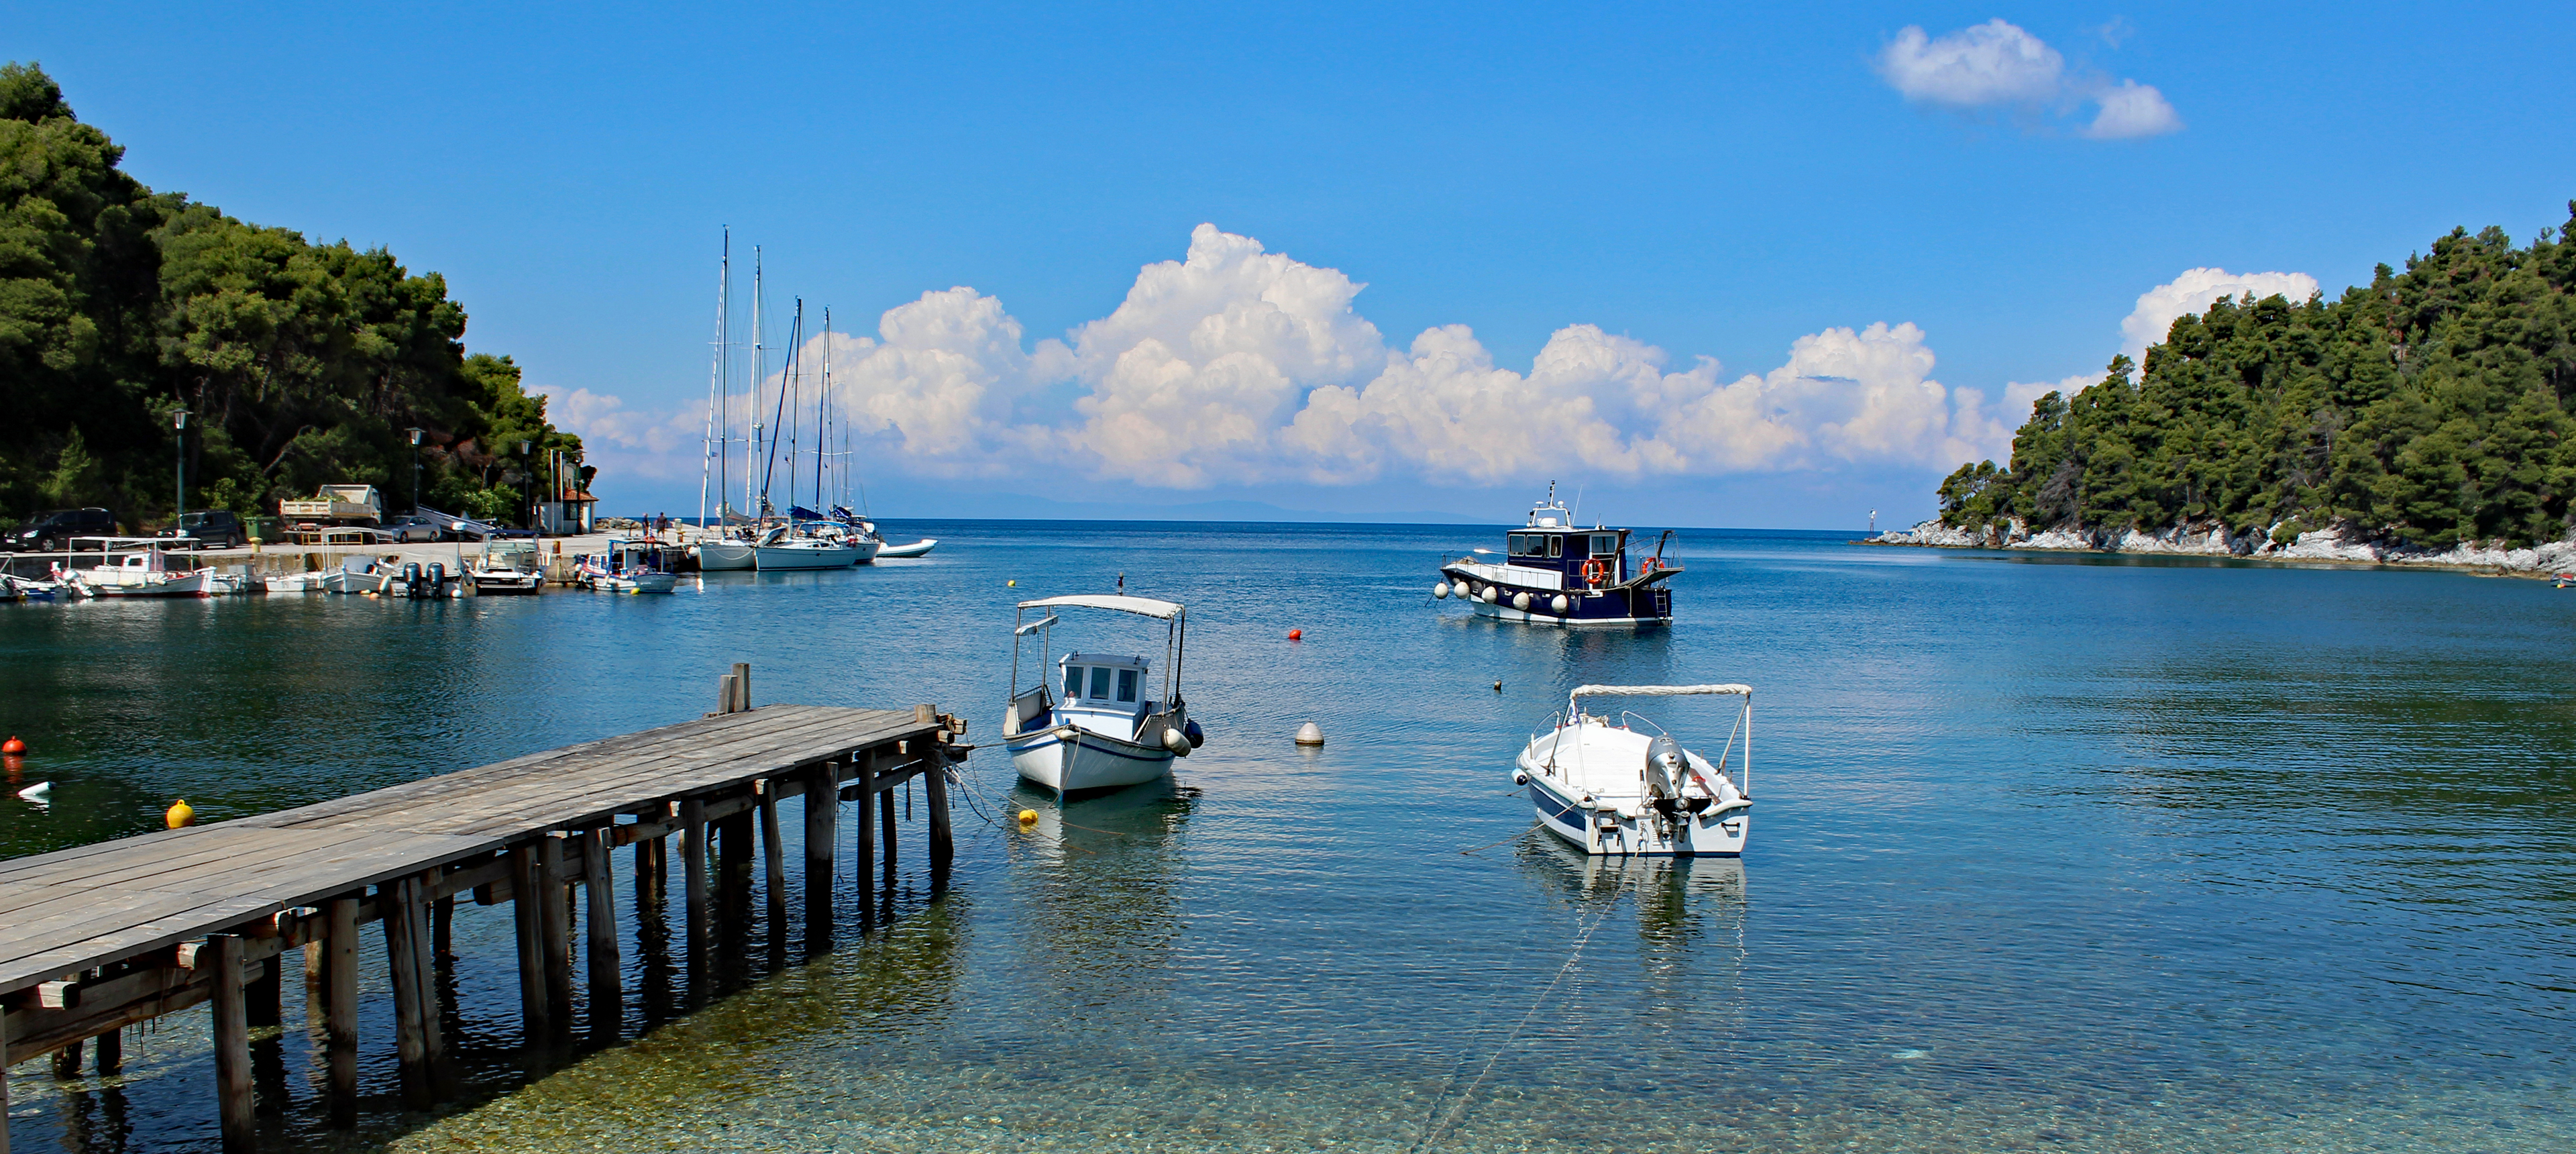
2427 409
300 363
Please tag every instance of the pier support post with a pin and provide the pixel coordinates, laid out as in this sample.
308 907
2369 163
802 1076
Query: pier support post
822 833
866 856
885 821
526 879
111 1052
693 827
424 967
599 905
266 996
774 858
741 686
67 1060
340 1009
411 1008
934 790
232 1046
4 1082
554 916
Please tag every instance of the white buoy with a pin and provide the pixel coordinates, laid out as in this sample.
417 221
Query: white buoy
1308 734
1521 602
1558 603
36 792
1440 590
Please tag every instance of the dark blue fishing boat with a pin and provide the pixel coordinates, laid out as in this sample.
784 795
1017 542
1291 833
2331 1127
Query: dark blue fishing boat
1553 572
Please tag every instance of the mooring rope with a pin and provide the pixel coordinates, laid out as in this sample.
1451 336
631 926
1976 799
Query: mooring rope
1581 940
1516 836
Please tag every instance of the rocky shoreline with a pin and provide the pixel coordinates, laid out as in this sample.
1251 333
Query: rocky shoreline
2215 541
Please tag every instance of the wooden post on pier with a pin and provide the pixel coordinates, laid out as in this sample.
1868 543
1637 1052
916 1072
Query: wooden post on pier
934 792
111 1053
340 1009
693 827
822 836
4 1082
741 686
774 858
424 969
411 1009
266 997
866 857
526 877
232 1045
599 903
556 920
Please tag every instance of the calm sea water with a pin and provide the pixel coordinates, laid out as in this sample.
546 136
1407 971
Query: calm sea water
2049 853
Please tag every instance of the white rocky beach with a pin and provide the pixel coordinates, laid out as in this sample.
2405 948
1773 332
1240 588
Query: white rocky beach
2544 560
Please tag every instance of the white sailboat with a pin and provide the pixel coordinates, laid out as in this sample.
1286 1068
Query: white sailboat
720 545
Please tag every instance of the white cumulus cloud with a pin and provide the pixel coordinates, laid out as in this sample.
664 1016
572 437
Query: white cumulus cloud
1997 65
2192 292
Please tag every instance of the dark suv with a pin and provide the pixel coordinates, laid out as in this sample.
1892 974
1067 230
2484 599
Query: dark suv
55 530
214 528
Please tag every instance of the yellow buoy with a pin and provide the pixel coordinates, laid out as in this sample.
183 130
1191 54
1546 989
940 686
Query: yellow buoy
181 814
1028 817
1014 583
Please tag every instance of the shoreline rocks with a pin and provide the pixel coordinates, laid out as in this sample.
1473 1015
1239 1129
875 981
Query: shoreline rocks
2215 541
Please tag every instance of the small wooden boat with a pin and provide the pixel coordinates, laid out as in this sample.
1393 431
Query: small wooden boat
1107 730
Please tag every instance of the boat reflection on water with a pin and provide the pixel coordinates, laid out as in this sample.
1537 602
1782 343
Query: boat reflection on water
1132 823
1690 956
1104 914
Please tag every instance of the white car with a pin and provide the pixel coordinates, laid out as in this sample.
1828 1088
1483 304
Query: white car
412 527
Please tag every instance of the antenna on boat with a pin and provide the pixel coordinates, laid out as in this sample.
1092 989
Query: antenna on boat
1573 517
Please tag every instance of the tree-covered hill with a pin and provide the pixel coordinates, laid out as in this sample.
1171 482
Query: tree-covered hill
300 363
2426 410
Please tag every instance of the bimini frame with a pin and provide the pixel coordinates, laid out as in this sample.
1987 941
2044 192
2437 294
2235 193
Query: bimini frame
1743 717
1175 637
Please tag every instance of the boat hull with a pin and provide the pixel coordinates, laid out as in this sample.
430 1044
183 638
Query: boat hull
1635 606
508 585
343 581
720 556
1087 761
191 585
789 558
637 583
1717 832
916 549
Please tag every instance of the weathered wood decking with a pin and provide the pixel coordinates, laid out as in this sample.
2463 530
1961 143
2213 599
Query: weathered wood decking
101 936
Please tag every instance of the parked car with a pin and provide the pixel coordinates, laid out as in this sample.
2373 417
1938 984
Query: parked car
412 527
214 528
51 531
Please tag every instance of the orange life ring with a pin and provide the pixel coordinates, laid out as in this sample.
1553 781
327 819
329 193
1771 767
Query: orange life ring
1595 571
1650 564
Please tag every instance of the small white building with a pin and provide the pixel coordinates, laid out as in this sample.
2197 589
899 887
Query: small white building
574 513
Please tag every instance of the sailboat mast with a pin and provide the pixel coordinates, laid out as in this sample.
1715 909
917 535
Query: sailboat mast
715 391
794 334
822 410
759 379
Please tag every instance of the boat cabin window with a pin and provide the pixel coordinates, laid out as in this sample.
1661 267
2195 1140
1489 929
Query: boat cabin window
1555 545
1072 681
1126 685
1099 683
1529 544
1604 544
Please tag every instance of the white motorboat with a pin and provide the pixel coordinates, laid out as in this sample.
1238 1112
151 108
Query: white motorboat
509 568
1611 787
142 573
1105 731
915 549
357 574
629 566
716 555
292 583
778 550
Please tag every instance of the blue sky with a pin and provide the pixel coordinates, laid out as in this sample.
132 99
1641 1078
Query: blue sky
1690 182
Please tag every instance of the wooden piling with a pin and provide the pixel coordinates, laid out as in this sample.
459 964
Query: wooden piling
885 820
4 1082
741 686
934 793
556 920
442 922
867 851
822 836
266 996
599 904
725 694
111 1052
411 1009
526 878
693 827
774 857
67 1061
424 968
340 1009
232 1046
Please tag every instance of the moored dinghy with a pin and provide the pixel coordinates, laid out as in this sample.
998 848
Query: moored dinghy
1107 730
1610 787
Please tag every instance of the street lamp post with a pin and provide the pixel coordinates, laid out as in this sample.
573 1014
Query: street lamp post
179 435
528 482
415 472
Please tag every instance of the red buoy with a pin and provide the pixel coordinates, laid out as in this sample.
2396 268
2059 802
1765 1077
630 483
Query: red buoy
1293 635
13 745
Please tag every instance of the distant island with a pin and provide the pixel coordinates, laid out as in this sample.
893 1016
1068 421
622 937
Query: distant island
298 364
2424 419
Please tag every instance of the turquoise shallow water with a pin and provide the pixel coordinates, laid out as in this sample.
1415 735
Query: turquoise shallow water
2049 853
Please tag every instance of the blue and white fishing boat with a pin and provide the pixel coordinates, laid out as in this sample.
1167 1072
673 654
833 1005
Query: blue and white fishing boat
1622 786
1552 572
1106 730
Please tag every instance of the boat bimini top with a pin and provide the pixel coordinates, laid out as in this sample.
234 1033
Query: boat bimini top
1141 606
1664 763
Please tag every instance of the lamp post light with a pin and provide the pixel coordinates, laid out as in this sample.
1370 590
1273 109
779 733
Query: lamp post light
415 472
179 435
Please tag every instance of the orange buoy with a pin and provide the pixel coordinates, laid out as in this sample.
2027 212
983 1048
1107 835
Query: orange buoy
181 814
1296 635
13 746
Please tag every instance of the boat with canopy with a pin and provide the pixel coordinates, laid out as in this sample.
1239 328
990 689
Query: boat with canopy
1623 786
1106 730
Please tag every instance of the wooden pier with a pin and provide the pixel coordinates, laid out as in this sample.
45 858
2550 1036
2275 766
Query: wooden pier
101 937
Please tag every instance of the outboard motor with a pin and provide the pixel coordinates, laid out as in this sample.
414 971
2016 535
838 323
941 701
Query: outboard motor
411 579
438 578
1665 772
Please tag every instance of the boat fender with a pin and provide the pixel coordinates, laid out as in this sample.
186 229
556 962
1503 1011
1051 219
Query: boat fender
1587 801
1520 777
1176 741
1521 601
1197 736
1558 603
1440 590
1492 594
